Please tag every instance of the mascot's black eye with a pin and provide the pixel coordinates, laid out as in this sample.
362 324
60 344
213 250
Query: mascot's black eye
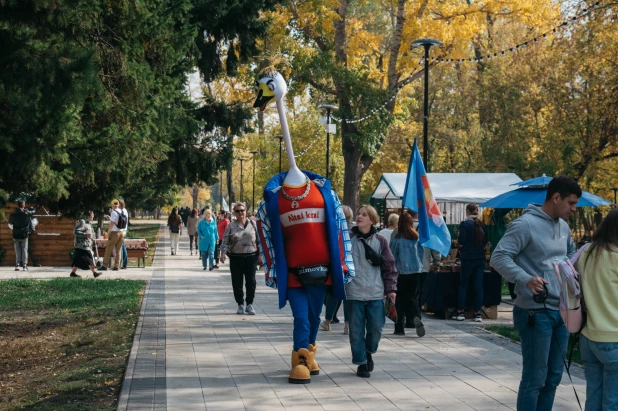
256 88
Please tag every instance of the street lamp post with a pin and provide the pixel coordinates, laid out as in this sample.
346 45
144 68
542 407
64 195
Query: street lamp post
328 108
280 141
426 43
253 195
615 189
241 175
220 190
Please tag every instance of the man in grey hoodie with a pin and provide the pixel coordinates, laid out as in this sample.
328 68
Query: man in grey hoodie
525 256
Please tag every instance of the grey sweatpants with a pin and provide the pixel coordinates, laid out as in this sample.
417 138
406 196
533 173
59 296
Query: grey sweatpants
21 252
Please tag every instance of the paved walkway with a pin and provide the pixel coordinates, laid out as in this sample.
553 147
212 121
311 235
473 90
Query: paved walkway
192 352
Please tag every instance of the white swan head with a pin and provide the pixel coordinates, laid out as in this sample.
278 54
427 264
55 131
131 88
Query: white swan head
270 87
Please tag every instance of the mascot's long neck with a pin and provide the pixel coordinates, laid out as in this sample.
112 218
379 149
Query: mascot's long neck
294 177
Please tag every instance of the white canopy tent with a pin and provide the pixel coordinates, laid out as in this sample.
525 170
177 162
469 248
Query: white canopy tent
452 191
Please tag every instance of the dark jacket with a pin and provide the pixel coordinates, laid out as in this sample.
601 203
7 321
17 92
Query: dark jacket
21 224
469 250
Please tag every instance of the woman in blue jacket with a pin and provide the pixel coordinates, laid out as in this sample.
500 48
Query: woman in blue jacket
207 236
408 254
472 241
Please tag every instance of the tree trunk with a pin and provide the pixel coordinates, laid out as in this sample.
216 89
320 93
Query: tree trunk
194 195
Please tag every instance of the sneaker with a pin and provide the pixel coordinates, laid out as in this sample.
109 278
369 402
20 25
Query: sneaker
249 310
420 328
346 329
211 268
369 362
459 316
324 326
241 310
335 320
216 267
362 371
204 268
103 268
16 268
115 269
478 318
75 275
123 268
97 274
25 268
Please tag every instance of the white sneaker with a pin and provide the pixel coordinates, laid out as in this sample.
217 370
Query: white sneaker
325 326
478 318
458 316
249 310
241 310
346 329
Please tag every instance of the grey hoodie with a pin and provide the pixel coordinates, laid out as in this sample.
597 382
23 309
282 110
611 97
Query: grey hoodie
528 249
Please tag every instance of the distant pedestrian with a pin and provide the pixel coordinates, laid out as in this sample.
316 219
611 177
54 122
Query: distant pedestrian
174 223
192 222
376 277
82 257
21 223
208 236
240 243
408 254
125 255
393 220
222 223
472 240
116 230
598 266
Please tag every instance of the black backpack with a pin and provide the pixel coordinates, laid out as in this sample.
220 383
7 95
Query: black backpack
122 220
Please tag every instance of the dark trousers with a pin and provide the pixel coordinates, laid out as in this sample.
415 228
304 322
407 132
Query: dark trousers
217 251
474 269
243 267
193 240
408 302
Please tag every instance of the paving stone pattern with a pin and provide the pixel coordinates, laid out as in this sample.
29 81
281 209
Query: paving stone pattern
192 352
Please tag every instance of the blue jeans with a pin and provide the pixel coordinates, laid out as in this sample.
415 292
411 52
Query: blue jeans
331 307
601 368
125 256
210 254
366 322
306 304
476 270
543 348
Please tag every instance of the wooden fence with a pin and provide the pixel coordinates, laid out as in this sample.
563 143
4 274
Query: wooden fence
49 245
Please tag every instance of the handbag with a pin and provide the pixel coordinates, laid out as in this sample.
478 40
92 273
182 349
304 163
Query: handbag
374 258
316 275
389 309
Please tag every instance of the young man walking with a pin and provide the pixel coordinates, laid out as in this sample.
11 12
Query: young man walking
525 256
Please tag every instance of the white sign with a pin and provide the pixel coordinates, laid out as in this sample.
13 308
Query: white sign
331 128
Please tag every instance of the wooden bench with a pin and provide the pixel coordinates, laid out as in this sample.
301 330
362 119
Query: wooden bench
136 248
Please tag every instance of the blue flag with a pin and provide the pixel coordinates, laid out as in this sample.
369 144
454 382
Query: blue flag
417 196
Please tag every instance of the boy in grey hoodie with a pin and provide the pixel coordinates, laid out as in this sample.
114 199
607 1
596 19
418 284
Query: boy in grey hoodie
525 256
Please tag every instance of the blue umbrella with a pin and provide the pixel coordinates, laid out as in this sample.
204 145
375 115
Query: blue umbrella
538 181
521 197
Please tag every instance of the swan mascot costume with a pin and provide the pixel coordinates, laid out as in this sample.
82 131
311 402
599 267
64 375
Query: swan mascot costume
304 238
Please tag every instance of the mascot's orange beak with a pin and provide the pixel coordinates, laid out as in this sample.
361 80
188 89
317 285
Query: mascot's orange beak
265 96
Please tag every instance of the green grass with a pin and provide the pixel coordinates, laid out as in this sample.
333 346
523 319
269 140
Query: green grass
64 343
512 334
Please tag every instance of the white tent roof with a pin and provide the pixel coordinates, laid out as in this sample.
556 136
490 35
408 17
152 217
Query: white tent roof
451 187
